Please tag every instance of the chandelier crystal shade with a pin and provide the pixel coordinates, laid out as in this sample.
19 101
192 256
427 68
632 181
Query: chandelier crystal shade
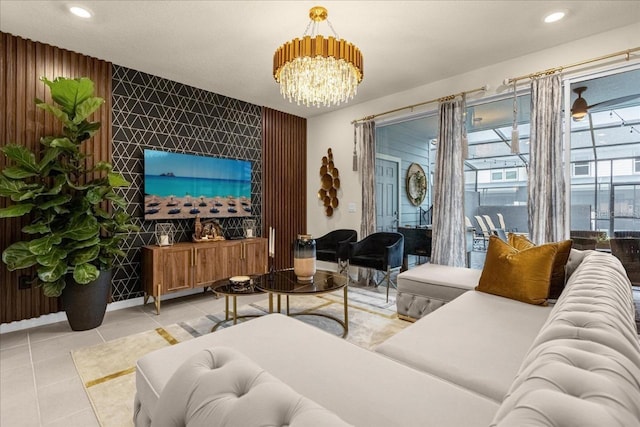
315 70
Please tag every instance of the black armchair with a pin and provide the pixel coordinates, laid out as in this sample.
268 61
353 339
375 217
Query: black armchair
334 246
379 251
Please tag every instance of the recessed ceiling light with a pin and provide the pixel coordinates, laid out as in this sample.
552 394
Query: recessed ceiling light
554 17
80 11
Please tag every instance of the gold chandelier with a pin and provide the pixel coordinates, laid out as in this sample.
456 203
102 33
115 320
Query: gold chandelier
316 70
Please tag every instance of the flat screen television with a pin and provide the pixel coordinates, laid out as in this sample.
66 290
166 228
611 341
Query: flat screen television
185 185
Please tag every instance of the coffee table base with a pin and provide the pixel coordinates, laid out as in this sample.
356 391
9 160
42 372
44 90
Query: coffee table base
344 324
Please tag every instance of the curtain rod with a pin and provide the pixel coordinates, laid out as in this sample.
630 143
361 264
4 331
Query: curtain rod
554 70
441 99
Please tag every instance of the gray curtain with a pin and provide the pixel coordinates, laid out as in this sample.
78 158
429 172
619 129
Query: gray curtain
367 167
448 246
546 190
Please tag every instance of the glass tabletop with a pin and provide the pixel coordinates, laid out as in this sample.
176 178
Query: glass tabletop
226 287
286 282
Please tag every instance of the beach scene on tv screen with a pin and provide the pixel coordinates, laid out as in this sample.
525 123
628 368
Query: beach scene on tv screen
185 186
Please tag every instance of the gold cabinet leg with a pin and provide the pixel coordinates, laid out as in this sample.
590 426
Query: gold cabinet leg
146 298
156 300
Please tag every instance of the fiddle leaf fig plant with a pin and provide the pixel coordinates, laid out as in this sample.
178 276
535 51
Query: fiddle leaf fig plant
71 229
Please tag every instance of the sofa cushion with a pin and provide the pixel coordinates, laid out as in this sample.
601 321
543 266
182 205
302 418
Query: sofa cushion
556 284
584 366
358 385
220 386
428 287
521 275
477 341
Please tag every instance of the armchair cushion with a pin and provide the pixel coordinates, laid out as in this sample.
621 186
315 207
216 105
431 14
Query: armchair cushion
378 251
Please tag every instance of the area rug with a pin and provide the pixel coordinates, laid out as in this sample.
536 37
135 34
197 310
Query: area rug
107 370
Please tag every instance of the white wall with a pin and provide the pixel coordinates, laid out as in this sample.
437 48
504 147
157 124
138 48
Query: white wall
334 130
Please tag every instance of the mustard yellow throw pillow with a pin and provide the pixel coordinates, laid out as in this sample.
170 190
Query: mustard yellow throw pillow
520 275
557 283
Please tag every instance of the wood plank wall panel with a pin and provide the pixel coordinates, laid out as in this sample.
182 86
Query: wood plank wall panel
284 202
22 63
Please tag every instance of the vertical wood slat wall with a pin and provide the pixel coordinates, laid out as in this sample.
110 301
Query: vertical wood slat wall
284 201
22 63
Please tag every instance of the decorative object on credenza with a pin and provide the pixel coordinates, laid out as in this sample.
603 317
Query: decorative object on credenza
197 233
164 234
304 258
416 184
72 237
329 184
211 230
317 70
249 227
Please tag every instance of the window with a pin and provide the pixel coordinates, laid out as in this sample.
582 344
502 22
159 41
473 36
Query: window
496 176
511 175
636 165
581 169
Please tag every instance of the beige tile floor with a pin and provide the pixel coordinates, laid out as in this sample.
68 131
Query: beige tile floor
39 385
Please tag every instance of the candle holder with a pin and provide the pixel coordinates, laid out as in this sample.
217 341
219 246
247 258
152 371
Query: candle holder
164 234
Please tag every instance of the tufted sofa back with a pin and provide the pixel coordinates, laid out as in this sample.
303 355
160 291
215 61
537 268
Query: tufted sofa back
583 368
221 387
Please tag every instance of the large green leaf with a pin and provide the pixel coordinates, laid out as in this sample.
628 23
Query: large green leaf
59 113
18 172
85 273
18 256
86 108
9 187
21 156
52 258
58 182
44 244
102 166
116 199
49 155
117 180
37 228
64 143
96 195
84 243
69 93
56 201
16 210
53 289
53 272
82 228
85 255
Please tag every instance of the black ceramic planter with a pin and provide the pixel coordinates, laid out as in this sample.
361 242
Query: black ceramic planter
85 305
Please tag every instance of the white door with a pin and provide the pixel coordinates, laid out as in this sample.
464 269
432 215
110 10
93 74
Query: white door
386 194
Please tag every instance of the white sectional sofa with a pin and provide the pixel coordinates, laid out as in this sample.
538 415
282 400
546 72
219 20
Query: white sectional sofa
479 360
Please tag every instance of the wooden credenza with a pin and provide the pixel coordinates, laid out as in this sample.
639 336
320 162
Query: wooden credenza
187 265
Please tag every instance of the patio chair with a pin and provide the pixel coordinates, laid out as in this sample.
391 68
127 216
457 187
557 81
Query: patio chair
485 231
627 250
501 221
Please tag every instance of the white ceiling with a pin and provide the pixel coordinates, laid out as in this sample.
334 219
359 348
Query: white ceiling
227 46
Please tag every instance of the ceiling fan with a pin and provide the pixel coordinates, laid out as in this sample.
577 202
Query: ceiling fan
580 107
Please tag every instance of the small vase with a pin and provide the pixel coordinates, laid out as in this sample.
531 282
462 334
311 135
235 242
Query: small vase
304 258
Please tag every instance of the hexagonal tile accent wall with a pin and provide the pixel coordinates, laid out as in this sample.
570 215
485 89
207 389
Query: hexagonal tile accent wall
150 112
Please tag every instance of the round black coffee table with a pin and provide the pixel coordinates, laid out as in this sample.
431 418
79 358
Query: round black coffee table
285 282
228 289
